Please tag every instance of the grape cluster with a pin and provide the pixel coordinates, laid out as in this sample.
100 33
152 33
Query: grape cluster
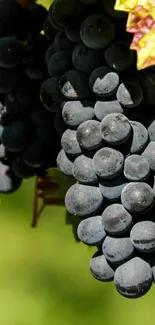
29 142
102 101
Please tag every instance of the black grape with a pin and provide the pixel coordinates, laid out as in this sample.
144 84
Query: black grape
103 81
10 52
73 33
65 163
111 189
97 31
88 135
50 51
62 43
103 108
83 200
108 162
129 93
137 197
69 143
50 93
86 59
74 85
67 12
115 128
133 279
151 130
83 170
49 31
119 56
34 70
54 23
59 124
91 231
16 136
9 182
21 169
136 168
34 155
59 63
143 236
100 268
12 105
117 250
149 154
76 112
116 219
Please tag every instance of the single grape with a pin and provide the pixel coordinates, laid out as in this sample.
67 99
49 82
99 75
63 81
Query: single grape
73 33
143 236
136 168
103 108
62 43
115 128
34 70
67 12
50 92
64 163
149 154
116 219
21 169
88 135
118 56
133 279
117 250
49 31
100 268
137 197
83 170
91 231
97 31
74 85
49 52
59 63
86 59
54 23
16 136
33 156
103 81
76 112
83 200
129 93
10 52
108 162
111 189
69 143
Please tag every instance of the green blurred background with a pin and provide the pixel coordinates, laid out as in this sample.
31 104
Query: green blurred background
44 273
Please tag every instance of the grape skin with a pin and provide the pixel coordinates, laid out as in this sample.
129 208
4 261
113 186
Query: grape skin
100 268
117 250
74 85
149 154
103 108
83 200
136 168
73 33
10 52
115 128
76 112
142 236
116 219
137 197
83 170
69 143
97 31
88 134
111 189
118 56
91 231
108 162
64 163
15 136
103 81
21 169
129 94
133 279
59 63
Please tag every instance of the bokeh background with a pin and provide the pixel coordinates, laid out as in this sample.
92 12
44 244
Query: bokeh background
44 273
